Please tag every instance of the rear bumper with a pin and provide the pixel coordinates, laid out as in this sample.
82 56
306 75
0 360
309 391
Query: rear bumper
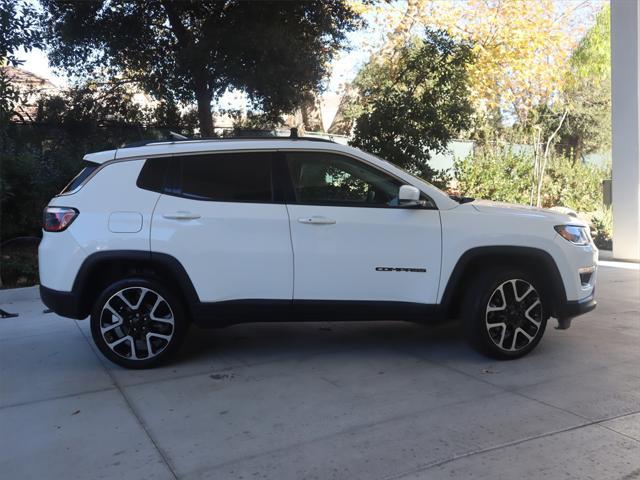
65 304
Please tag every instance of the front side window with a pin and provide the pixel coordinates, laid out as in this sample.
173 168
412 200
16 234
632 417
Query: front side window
331 179
227 177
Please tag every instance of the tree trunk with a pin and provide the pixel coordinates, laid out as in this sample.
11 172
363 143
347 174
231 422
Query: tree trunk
203 96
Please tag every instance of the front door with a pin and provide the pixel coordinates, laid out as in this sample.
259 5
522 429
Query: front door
351 240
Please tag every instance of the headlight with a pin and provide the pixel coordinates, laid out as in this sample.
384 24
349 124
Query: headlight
574 234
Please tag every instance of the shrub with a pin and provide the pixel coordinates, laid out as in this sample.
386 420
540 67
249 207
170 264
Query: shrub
602 228
494 175
501 175
571 183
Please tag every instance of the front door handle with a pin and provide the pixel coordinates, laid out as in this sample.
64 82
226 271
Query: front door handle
315 220
181 215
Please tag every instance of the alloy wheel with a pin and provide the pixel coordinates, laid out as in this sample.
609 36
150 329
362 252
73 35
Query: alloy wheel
137 323
513 316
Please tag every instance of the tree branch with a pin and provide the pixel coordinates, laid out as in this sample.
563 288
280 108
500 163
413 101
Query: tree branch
179 30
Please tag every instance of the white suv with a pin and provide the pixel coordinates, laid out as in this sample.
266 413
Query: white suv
148 238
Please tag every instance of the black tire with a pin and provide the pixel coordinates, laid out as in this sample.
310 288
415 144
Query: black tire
483 315
161 330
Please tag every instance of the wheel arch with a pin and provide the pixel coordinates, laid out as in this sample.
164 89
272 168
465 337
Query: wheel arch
100 269
536 260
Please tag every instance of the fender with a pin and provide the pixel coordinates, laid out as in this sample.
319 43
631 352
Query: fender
82 288
542 260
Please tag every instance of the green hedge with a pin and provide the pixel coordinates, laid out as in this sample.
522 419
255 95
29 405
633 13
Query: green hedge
503 176
38 160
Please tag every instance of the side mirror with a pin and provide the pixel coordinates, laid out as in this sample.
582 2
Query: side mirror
409 196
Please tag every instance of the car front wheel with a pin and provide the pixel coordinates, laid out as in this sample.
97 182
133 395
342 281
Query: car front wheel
505 313
137 323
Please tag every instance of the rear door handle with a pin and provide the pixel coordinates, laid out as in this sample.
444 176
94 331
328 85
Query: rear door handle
316 220
181 216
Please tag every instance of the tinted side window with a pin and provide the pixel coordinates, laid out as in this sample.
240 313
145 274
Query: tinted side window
153 174
228 177
326 178
87 169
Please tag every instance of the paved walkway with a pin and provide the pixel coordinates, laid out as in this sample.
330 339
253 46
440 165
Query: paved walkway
326 401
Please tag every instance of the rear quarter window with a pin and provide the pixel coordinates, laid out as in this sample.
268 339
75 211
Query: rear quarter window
87 169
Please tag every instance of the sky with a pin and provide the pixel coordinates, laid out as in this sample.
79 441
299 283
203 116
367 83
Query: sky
344 67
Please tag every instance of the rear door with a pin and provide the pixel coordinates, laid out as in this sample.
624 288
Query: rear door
225 222
352 241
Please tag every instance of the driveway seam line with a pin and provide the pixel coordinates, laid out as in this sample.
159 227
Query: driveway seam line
455 458
619 433
31 335
130 406
517 390
59 397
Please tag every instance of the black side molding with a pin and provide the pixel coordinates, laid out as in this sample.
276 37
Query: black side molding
65 304
220 314
77 303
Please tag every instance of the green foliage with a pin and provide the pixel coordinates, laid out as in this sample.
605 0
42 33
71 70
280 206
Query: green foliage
495 175
587 94
414 103
18 29
274 51
19 265
574 184
592 58
602 228
502 176
38 159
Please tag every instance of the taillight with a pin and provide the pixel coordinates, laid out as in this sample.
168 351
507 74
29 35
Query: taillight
56 219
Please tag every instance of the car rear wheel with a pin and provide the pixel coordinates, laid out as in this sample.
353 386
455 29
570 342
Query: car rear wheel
137 323
505 313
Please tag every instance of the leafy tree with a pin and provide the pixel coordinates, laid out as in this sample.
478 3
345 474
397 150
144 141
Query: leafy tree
87 106
521 48
275 51
587 93
17 30
581 110
415 103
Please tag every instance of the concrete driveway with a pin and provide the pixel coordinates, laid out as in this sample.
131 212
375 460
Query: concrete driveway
326 401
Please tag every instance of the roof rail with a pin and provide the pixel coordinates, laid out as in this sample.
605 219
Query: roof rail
174 138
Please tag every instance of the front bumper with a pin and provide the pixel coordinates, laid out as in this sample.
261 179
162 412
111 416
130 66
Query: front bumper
65 304
571 309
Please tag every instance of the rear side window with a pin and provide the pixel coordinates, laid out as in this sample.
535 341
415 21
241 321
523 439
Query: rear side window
228 177
87 169
152 175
